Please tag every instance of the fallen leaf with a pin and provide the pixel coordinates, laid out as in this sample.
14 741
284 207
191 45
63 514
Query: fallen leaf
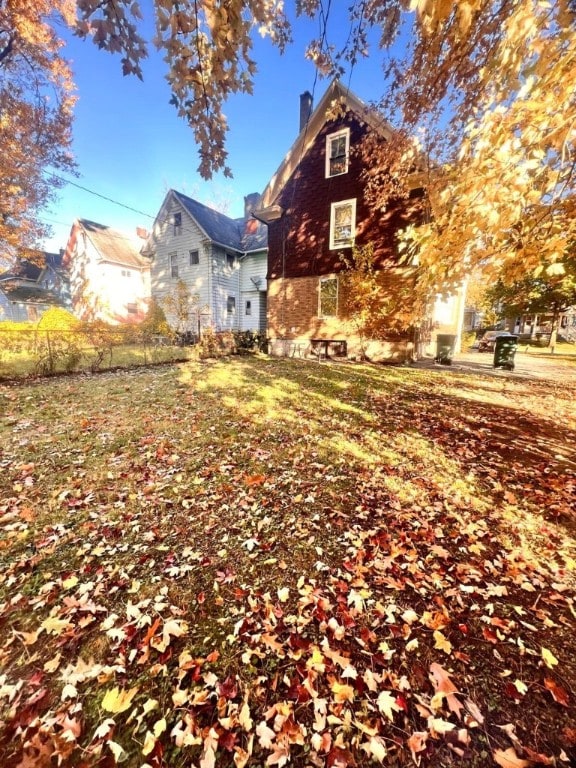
509 759
549 659
118 700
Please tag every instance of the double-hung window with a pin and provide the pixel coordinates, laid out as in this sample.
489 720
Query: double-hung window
342 224
328 297
337 153
173 264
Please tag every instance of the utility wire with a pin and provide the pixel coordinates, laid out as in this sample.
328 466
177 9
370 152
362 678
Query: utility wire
103 197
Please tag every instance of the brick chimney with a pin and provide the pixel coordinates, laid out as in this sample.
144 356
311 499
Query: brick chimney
305 108
251 202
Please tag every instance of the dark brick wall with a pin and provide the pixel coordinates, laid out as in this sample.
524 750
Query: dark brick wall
299 242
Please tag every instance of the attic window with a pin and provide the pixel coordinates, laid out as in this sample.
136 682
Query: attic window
337 151
178 223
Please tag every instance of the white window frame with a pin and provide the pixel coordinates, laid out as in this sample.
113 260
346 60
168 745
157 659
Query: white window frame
335 244
332 278
173 259
231 305
329 140
177 219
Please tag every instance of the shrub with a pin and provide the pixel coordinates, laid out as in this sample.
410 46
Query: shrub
250 341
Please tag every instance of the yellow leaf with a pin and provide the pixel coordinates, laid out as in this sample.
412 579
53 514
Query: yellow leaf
549 659
159 727
442 642
283 594
70 583
509 759
53 664
387 704
116 700
149 743
55 626
342 692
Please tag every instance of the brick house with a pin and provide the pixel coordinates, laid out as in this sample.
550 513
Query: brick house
316 211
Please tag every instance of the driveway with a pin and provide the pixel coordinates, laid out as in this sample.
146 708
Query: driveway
556 368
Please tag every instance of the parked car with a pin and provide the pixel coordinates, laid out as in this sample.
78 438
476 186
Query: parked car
487 342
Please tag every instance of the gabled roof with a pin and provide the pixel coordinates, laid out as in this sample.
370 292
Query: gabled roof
244 235
336 95
113 246
30 294
27 270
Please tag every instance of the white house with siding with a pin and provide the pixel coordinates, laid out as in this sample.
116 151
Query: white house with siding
109 279
223 262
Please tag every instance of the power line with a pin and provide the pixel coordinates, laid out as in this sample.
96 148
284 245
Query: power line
103 197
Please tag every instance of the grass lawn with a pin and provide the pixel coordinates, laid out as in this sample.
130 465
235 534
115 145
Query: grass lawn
254 562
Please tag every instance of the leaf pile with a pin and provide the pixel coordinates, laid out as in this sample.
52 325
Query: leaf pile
274 562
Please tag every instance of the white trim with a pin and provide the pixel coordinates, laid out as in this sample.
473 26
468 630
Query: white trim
328 151
352 203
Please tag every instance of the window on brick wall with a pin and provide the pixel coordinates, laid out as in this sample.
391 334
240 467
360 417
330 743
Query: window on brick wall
173 264
328 297
342 224
337 153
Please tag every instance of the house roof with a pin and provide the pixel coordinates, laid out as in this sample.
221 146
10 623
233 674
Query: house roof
25 269
30 294
335 95
240 234
113 246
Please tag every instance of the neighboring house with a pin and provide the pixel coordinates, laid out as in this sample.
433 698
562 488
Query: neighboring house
32 287
109 278
223 262
316 211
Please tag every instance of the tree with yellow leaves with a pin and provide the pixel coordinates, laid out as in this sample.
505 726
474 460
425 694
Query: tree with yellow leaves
36 103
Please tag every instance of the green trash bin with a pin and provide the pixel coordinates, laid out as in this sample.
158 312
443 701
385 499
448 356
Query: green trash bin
504 351
445 344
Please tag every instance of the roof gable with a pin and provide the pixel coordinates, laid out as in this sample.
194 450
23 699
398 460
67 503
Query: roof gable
335 95
113 246
242 235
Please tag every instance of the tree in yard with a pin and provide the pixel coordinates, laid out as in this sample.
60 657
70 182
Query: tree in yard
183 308
486 87
374 310
543 293
36 102
484 98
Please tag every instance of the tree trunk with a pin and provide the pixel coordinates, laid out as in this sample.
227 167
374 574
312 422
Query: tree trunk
554 330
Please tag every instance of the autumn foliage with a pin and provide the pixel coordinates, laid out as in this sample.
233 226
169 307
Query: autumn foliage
36 101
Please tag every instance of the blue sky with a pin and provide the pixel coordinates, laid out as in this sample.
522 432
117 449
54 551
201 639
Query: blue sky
131 146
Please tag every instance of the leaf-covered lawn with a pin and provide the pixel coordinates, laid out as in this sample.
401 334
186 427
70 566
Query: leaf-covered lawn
272 562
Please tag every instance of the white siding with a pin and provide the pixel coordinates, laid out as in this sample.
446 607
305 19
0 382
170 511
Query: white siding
165 242
253 289
225 286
